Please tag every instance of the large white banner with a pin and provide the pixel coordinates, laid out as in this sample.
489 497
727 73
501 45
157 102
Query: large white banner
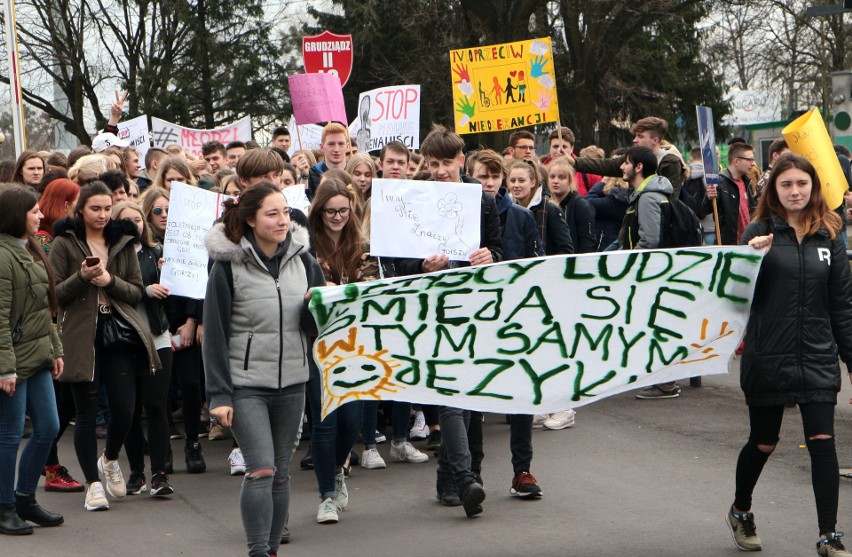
192 213
537 335
387 114
164 133
135 131
753 107
413 218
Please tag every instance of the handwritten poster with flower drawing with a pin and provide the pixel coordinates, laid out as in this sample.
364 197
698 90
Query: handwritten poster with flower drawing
504 86
413 218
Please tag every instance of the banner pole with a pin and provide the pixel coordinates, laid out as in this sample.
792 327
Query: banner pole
15 78
716 220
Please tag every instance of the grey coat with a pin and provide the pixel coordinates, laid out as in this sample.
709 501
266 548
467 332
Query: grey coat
256 323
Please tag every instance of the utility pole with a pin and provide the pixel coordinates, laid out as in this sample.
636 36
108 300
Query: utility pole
15 77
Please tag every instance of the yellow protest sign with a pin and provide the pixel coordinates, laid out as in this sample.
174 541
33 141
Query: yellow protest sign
808 137
504 86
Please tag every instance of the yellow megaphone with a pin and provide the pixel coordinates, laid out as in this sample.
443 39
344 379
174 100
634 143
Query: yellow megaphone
807 136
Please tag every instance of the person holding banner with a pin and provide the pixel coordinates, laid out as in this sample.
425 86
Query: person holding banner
255 346
98 284
800 321
457 484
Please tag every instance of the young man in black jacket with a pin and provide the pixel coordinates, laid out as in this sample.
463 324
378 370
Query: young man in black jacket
457 484
734 199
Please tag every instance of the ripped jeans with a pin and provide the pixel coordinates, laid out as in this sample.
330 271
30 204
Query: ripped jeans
267 426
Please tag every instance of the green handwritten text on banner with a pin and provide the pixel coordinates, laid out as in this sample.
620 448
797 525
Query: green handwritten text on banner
538 335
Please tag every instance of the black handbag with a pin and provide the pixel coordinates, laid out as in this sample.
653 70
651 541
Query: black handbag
117 333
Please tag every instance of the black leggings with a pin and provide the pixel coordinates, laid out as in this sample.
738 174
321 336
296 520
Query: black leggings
117 369
152 394
65 409
186 369
817 419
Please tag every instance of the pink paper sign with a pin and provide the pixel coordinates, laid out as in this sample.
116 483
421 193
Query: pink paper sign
317 97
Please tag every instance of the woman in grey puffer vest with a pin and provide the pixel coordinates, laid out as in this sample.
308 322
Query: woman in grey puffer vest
257 383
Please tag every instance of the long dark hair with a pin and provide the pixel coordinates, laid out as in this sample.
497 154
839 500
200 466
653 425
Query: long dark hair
344 259
89 190
16 203
238 211
815 216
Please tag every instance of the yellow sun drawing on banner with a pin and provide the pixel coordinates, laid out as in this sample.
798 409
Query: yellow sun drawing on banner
707 352
351 373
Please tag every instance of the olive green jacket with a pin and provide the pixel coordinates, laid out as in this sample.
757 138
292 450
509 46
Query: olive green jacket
28 339
78 299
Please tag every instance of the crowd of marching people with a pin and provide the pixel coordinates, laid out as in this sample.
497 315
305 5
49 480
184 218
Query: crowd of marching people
90 336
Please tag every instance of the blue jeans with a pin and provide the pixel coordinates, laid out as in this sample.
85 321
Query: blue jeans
35 397
710 238
267 426
399 421
333 437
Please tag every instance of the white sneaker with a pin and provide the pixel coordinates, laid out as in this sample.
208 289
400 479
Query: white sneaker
539 419
111 472
405 452
419 430
560 420
371 459
237 462
327 512
380 437
96 498
341 494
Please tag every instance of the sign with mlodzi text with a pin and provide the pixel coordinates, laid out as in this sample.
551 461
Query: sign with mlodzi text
135 132
537 335
164 133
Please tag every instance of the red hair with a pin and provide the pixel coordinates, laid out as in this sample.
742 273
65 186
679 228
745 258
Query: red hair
53 200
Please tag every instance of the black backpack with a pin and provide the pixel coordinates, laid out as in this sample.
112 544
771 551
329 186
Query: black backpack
680 228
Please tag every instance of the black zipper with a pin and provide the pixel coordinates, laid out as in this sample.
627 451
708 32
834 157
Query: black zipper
800 309
248 350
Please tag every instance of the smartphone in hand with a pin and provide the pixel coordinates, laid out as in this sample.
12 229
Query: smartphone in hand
92 261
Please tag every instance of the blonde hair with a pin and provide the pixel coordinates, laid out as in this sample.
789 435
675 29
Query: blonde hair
563 162
89 168
146 239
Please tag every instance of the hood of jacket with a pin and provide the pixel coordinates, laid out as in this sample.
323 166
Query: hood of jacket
220 248
659 184
114 231
536 198
504 200
696 170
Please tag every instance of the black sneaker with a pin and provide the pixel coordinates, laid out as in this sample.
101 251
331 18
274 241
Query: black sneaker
830 546
160 486
449 498
194 459
472 497
136 484
434 442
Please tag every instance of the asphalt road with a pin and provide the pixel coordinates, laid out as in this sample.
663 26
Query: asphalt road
639 478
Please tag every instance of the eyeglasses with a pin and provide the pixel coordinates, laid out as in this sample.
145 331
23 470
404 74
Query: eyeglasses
747 159
160 210
331 213
525 147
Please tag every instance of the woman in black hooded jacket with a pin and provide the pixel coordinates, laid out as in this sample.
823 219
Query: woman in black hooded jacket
801 319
